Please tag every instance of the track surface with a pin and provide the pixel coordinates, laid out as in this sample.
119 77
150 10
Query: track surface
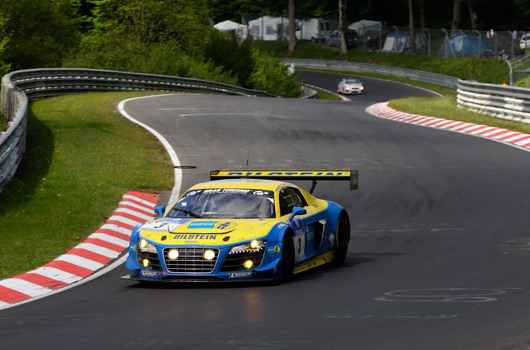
438 257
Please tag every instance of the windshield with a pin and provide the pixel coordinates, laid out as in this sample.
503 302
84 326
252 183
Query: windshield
225 203
352 82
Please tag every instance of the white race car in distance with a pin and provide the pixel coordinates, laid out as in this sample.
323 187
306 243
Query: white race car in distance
350 86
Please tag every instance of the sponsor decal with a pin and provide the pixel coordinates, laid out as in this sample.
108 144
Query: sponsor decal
149 274
287 173
260 193
239 274
332 240
225 225
228 190
298 226
164 225
195 237
202 224
276 248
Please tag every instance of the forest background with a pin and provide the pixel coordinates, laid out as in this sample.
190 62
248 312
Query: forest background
176 37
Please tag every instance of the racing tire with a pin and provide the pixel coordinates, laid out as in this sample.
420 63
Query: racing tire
343 239
287 258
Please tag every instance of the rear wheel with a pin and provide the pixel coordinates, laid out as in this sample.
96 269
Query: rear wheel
287 258
343 239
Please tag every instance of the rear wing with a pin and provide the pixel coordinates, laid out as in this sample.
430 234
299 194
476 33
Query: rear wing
291 175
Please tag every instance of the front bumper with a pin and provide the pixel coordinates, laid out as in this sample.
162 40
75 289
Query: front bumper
353 92
223 270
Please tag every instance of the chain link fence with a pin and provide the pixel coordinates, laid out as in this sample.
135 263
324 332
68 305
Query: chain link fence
373 36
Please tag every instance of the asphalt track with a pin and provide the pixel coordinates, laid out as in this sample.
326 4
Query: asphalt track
438 257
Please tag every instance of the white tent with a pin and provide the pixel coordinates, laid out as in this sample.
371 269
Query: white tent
269 28
230 26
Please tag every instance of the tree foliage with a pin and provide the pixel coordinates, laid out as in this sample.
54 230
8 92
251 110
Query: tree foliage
39 32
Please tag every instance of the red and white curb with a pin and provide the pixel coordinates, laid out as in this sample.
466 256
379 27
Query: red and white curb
93 254
509 137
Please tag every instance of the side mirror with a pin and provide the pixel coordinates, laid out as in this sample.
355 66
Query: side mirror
297 211
160 211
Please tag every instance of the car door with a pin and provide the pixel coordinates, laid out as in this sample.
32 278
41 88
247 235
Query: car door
309 229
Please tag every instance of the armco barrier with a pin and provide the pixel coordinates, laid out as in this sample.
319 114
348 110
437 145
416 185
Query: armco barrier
501 101
427 77
12 140
20 86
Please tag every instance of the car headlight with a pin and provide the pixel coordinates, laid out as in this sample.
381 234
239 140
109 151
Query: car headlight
145 246
255 245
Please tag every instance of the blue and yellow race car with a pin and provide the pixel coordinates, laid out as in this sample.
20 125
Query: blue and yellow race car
242 225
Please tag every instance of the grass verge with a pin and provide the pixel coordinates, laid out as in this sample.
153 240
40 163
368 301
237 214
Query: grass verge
81 157
324 95
470 68
445 107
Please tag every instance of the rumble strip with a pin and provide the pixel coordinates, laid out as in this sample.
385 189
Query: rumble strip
94 253
509 137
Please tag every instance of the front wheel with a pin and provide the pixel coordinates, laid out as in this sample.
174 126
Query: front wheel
343 239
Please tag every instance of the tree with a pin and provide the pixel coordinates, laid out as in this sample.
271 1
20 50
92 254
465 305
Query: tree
292 27
40 32
411 28
137 26
343 25
456 16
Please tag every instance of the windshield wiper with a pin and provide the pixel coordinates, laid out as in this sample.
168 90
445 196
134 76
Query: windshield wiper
187 212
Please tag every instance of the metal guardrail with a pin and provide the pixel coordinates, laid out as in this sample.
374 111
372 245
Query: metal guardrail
13 140
506 102
20 86
427 77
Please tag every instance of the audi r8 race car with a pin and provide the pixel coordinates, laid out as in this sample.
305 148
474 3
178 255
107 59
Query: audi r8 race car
242 225
350 86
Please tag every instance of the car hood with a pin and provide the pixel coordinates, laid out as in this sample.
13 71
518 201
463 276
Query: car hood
205 231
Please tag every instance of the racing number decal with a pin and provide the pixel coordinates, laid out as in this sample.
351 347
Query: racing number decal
299 247
298 226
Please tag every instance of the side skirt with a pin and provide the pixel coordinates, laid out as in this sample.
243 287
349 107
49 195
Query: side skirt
317 261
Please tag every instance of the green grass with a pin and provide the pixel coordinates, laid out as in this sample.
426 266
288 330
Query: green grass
324 95
445 107
485 71
81 157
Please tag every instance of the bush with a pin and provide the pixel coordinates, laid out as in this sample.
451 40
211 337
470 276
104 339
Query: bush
235 57
271 76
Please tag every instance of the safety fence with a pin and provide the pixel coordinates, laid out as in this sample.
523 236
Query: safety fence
20 86
368 35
